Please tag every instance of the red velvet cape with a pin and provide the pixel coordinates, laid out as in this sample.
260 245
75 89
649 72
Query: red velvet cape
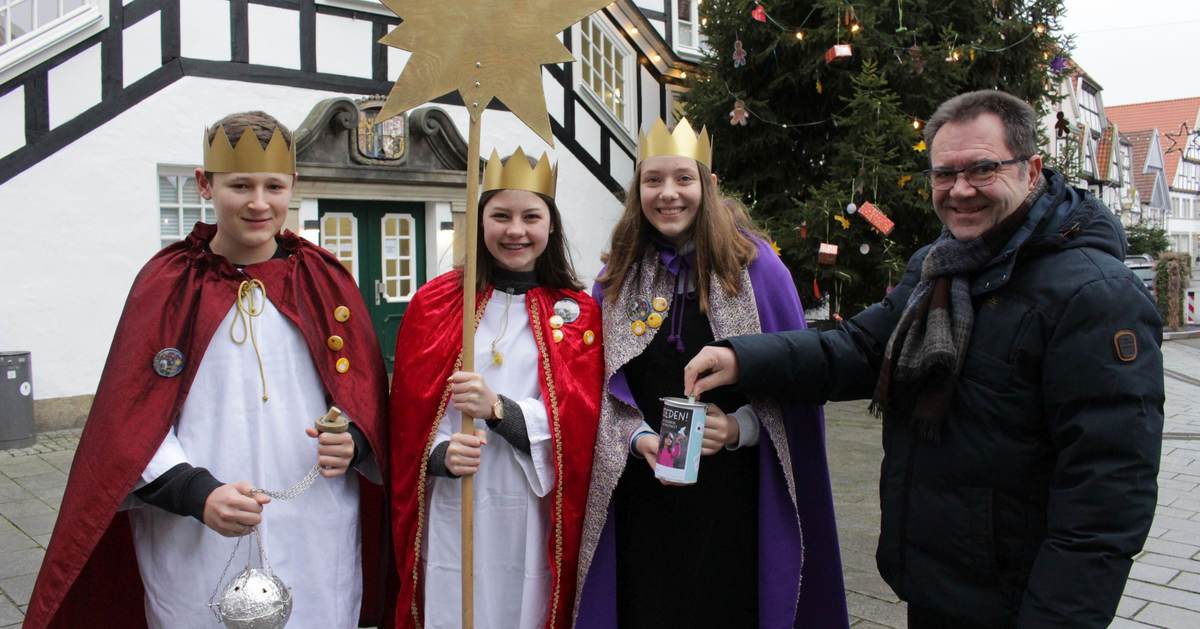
428 349
89 577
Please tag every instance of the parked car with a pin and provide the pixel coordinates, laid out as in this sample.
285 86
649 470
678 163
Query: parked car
1142 266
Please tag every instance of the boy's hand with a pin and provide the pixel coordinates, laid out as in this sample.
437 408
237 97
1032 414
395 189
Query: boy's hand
335 451
720 430
462 456
232 511
471 395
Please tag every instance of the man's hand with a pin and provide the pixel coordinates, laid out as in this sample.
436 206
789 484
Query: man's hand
232 511
471 395
711 368
462 456
335 451
720 430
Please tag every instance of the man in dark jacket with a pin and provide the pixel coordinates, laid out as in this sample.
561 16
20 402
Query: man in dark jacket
1018 372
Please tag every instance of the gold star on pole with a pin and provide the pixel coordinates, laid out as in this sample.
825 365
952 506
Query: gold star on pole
484 49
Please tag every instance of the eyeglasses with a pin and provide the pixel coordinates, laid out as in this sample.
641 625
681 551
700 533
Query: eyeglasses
978 175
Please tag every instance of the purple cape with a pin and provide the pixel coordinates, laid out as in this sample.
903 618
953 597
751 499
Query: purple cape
787 560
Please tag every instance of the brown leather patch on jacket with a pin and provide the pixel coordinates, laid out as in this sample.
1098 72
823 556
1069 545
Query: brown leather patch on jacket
1125 344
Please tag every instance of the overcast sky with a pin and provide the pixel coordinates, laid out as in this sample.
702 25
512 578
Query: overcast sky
1138 50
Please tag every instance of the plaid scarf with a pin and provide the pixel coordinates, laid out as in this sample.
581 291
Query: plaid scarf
926 350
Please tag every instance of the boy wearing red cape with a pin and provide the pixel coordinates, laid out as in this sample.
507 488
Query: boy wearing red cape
535 393
232 342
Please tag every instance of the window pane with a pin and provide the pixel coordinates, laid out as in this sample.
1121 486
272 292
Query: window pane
191 194
405 288
404 247
405 271
22 17
47 11
168 190
344 227
71 5
389 268
329 226
392 287
191 215
169 225
3 26
404 227
389 226
684 11
685 35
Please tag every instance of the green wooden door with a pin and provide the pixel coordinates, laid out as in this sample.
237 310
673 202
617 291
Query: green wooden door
382 243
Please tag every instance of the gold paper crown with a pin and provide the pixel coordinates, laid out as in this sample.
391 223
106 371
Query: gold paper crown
249 157
516 174
682 142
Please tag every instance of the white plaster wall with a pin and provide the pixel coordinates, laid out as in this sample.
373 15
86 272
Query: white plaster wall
343 46
205 34
12 121
74 86
274 36
650 98
141 49
79 236
587 131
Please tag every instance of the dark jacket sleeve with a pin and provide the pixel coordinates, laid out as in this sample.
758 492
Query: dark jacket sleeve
816 367
1105 419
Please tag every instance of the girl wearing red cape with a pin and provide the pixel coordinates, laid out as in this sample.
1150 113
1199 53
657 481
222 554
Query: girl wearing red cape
536 395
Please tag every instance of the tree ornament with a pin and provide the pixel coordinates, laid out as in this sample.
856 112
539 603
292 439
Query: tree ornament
739 53
820 88
759 13
816 290
1062 128
903 181
864 248
917 58
838 51
842 220
877 219
851 208
739 115
803 229
776 249
827 254
920 146
1058 64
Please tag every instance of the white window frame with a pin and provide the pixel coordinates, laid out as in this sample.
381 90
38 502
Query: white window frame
353 237
694 26
206 206
674 97
52 38
411 257
1090 105
629 70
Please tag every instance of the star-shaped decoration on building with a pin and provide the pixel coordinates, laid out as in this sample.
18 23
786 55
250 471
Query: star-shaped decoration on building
483 49
1176 137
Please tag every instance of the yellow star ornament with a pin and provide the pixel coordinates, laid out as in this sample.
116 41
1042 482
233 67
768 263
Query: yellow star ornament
484 49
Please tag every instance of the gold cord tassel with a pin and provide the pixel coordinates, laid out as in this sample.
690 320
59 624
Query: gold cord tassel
247 310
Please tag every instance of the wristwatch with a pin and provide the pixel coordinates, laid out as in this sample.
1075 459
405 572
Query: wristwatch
498 409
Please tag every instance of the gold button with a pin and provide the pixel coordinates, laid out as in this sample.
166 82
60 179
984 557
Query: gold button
342 314
342 365
654 320
660 304
558 336
335 342
556 322
589 337
639 328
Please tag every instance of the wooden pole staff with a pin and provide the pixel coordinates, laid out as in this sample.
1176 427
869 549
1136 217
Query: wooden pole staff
468 364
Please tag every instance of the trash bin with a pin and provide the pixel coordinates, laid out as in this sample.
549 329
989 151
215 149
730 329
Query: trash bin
16 400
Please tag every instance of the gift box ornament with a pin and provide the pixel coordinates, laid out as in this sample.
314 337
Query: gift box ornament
838 51
877 219
827 254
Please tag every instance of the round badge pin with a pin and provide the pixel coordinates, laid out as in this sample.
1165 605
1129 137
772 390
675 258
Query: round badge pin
568 309
168 362
638 310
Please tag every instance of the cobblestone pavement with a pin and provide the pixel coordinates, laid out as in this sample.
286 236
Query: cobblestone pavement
1163 588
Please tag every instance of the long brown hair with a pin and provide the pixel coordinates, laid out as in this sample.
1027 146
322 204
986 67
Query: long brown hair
721 248
552 269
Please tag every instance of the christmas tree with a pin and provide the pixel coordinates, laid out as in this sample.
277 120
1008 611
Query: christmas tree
836 94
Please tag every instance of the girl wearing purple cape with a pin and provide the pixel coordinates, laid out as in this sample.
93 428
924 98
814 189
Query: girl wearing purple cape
756 532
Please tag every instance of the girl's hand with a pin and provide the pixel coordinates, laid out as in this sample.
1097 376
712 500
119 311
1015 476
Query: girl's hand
462 456
471 395
720 430
647 445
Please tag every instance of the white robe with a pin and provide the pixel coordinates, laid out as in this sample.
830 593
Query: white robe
312 541
512 578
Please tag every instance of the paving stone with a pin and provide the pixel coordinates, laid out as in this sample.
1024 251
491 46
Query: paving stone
8 613
1159 615
1173 511
1189 581
1174 549
1162 594
1152 573
19 588
866 624
1129 606
20 467
36 523
62 460
1125 623
20 562
10 491
1185 565
24 507
11 538
893 615
48 480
